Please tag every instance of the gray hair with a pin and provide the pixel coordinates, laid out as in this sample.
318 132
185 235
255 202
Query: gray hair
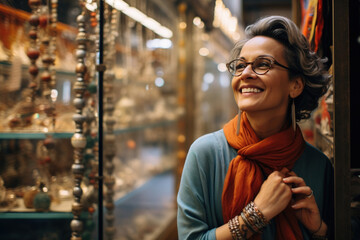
300 58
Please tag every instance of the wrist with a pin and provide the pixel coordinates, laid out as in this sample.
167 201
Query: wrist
321 232
265 211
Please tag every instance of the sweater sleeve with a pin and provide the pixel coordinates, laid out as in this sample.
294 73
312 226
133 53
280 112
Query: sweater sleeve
329 200
192 219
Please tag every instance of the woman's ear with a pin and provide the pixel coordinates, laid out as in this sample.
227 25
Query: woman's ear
296 87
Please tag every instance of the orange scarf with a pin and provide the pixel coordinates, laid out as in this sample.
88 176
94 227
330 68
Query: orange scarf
246 171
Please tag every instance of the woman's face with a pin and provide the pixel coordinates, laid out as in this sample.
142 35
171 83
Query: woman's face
266 93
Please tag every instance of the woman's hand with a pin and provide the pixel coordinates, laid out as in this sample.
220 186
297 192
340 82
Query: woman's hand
304 204
274 195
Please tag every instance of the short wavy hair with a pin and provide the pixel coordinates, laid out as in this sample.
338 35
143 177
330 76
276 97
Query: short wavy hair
300 58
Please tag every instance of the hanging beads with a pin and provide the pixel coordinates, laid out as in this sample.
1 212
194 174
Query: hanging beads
33 52
109 120
78 140
52 52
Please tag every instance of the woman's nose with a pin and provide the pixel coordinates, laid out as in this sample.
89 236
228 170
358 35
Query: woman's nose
248 72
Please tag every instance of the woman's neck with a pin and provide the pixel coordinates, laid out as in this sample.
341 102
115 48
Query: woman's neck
265 125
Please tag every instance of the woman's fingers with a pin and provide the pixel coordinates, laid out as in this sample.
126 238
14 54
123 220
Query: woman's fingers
274 195
304 204
297 181
285 171
306 190
298 186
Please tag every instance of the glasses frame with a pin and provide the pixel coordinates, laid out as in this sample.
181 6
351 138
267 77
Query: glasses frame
268 57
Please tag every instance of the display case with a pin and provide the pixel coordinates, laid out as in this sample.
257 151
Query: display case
35 167
54 138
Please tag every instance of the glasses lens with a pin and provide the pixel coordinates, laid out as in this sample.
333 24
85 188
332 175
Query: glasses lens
236 67
262 65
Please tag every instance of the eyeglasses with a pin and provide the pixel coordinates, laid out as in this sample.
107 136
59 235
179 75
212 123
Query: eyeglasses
260 65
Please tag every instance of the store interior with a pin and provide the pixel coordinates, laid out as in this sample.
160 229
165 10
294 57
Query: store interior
100 101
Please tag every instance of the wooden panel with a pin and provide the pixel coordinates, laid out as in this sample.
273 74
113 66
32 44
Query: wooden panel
341 61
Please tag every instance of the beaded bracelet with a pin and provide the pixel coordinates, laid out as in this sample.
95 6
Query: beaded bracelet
248 224
254 217
232 229
318 237
236 232
253 220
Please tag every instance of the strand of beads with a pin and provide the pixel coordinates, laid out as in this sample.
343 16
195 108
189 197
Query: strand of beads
109 120
78 140
52 53
45 77
33 52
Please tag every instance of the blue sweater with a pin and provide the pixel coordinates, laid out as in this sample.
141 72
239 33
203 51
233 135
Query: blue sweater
201 186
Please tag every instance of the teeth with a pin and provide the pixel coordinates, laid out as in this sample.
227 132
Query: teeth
250 90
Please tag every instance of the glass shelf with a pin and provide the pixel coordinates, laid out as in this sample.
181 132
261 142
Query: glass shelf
24 67
144 126
34 135
139 193
36 215
42 135
152 203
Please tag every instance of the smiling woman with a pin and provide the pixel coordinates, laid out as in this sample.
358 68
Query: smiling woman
257 177
269 84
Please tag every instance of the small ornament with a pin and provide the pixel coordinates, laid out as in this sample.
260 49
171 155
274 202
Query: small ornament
42 199
2 190
29 197
42 202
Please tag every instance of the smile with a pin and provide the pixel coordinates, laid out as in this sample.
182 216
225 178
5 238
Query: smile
251 90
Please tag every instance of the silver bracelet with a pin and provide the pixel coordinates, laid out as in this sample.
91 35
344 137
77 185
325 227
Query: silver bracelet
254 217
247 222
236 232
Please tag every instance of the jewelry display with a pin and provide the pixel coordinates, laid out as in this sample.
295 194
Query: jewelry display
7 197
46 155
89 225
23 116
91 163
47 57
110 27
137 142
79 140
33 51
42 199
2 191
53 35
29 197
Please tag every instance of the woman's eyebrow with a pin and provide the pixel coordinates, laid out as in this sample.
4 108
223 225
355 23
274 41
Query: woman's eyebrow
262 55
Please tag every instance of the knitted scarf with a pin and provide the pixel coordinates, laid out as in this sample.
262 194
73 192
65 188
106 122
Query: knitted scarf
246 171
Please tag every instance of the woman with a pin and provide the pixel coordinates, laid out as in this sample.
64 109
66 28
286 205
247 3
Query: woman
257 178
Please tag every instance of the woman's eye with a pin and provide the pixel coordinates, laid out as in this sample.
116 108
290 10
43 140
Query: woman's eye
263 64
241 66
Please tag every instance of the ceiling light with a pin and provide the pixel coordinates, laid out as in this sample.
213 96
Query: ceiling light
140 17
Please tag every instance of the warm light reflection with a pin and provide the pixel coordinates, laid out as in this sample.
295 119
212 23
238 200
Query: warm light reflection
224 20
159 43
208 78
221 67
159 82
140 17
204 51
182 25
